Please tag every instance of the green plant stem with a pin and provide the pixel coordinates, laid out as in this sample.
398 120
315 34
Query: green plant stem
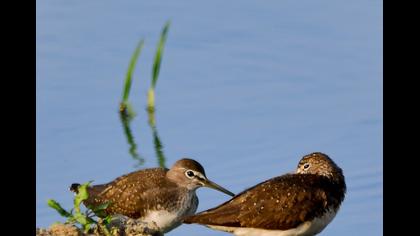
156 66
129 75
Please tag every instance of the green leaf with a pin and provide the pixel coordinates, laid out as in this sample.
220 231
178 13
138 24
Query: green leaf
107 219
87 227
81 196
82 219
128 77
100 207
159 52
55 205
71 219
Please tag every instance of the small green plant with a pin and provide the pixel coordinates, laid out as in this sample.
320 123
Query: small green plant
125 107
92 216
156 67
126 110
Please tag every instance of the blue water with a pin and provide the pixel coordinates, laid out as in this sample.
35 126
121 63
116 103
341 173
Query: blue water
246 88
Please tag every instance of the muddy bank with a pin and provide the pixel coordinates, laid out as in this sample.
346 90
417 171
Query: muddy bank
120 227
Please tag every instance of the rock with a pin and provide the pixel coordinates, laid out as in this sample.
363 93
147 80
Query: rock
59 230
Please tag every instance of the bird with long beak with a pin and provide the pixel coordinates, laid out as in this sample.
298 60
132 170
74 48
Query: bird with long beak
158 196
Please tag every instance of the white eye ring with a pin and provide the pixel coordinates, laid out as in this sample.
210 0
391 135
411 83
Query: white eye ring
190 174
306 166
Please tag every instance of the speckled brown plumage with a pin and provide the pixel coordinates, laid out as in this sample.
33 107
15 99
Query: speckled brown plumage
135 193
161 195
283 202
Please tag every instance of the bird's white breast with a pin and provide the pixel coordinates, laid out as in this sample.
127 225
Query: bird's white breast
168 220
165 220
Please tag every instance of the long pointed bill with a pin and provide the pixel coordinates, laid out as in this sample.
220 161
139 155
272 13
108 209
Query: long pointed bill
213 185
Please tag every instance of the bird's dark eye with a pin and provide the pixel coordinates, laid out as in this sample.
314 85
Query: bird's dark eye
189 173
306 166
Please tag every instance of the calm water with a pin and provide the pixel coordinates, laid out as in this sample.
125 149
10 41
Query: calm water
246 88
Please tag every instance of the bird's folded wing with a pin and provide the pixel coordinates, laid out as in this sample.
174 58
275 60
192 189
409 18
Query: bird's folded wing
279 203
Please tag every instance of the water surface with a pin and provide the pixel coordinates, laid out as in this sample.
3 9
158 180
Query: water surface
246 88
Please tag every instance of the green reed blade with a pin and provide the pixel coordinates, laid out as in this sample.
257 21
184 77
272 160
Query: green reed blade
128 77
159 52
